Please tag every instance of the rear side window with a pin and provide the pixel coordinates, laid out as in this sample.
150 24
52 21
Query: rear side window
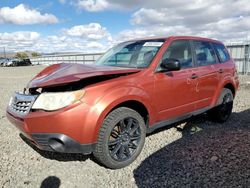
204 53
180 50
221 52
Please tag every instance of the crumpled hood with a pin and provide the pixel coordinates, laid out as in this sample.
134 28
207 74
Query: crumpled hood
66 73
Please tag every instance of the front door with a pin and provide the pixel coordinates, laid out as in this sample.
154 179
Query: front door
175 90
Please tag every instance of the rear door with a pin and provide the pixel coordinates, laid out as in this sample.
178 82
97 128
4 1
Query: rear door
207 75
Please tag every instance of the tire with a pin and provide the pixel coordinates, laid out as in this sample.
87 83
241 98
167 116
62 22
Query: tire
121 138
222 112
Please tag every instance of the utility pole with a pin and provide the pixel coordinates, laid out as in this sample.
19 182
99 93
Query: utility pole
4 52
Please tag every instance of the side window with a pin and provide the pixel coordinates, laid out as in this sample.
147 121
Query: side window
180 50
222 52
204 53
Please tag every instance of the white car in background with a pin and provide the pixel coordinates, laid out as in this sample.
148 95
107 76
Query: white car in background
5 62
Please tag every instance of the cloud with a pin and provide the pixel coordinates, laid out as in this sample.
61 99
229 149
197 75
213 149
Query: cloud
148 31
186 6
223 20
220 19
189 13
83 38
68 44
102 5
94 44
92 5
20 40
23 15
33 41
155 16
93 31
20 36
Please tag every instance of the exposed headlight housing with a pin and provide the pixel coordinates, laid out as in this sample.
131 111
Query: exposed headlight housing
56 100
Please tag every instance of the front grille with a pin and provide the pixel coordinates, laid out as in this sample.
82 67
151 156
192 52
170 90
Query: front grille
21 107
21 104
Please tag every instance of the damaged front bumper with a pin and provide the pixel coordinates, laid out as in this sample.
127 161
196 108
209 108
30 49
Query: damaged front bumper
59 131
58 143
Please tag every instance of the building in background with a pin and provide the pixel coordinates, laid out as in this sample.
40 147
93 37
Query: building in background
240 52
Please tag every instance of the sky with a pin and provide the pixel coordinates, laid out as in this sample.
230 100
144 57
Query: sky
96 25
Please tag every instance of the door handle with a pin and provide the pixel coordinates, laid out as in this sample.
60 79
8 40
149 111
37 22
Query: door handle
194 76
221 70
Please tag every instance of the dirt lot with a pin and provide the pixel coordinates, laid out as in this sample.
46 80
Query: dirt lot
199 153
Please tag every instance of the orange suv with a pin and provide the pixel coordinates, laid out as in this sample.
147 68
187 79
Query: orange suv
134 88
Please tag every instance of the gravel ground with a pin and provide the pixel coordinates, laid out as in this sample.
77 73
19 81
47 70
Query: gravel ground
198 153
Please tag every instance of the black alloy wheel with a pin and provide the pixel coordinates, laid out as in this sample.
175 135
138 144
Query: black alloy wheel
124 139
121 138
222 112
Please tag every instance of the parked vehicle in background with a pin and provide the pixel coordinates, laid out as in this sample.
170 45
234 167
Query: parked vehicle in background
135 88
6 62
2 61
21 62
15 62
12 62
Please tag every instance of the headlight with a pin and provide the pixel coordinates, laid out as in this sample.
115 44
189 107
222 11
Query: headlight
56 100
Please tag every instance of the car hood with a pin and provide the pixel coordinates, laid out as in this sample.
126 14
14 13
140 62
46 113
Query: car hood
63 73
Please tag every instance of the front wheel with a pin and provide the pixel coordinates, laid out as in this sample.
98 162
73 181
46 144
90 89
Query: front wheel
222 112
121 138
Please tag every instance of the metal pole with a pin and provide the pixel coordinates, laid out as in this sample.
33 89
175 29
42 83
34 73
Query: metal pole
248 58
245 60
4 52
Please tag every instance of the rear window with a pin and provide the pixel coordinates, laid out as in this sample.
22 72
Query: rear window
221 52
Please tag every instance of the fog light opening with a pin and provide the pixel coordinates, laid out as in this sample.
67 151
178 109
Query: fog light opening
57 144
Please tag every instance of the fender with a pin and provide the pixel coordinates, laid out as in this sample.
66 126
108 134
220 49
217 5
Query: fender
226 80
113 98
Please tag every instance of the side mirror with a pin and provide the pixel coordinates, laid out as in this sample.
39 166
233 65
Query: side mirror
170 65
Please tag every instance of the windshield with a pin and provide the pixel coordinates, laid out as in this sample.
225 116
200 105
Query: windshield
136 54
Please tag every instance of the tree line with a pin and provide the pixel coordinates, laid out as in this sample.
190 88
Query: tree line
23 55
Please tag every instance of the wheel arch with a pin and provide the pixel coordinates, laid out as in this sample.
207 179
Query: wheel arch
137 106
131 97
231 87
227 83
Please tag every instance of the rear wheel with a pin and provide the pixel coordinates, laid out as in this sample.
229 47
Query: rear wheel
222 112
121 138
